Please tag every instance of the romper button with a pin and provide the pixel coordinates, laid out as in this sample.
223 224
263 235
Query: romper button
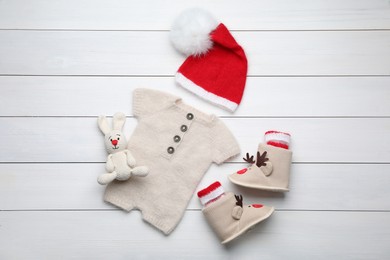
176 138
171 150
190 116
183 128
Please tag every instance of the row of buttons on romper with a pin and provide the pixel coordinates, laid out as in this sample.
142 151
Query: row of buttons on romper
177 138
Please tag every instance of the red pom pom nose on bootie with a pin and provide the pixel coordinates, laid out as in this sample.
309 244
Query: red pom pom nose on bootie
271 169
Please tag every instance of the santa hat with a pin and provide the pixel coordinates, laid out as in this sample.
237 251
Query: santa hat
211 193
278 139
216 66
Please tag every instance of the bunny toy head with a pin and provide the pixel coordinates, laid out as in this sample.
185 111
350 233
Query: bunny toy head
114 139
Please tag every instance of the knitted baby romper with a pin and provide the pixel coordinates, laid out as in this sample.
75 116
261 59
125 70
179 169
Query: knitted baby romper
178 143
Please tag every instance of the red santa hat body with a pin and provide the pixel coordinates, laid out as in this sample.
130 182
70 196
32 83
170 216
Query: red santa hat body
216 66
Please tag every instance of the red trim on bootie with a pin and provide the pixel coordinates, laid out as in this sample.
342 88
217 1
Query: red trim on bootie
209 189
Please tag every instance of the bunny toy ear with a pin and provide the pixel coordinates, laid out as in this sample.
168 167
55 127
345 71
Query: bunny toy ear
103 125
118 121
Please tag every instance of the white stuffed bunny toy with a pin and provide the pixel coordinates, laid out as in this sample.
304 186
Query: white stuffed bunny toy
120 163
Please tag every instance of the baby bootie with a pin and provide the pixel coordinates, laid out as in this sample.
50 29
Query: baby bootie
226 213
271 169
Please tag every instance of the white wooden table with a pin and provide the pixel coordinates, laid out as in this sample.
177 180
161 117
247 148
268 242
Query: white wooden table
317 69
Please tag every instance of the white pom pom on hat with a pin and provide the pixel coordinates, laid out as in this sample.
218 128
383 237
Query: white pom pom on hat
216 65
190 33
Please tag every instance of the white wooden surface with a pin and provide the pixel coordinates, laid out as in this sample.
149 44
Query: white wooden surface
317 69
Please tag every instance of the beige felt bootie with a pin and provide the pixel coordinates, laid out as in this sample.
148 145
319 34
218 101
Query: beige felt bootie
271 170
227 215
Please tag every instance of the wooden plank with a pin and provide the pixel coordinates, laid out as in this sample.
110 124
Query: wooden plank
347 187
152 15
361 140
103 235
150 53
263 96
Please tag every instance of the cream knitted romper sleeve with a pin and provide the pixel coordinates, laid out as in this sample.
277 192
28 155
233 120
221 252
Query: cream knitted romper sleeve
178 143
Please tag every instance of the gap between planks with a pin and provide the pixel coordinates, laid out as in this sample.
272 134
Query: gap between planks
234 30
233 163
238 117
171 76
277 210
